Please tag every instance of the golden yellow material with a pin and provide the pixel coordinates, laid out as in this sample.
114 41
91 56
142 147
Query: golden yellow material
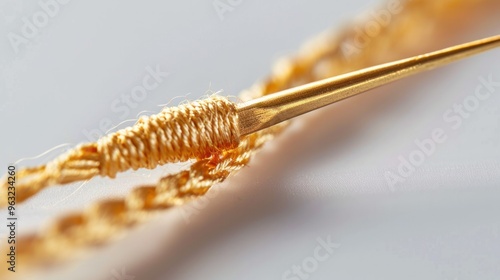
416 29
195 130
272 109
214 125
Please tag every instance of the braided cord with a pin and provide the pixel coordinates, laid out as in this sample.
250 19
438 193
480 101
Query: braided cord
190 131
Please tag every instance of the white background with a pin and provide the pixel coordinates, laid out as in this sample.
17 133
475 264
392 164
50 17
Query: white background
322 177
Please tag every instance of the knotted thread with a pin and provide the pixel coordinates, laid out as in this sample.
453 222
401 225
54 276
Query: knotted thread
194 130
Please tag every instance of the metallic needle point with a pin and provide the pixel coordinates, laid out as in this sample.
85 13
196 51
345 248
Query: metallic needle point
272 109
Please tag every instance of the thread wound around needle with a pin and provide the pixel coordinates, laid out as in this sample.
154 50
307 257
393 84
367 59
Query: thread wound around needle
202 128
194 130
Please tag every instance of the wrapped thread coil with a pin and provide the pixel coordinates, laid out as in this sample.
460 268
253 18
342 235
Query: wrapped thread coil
190 131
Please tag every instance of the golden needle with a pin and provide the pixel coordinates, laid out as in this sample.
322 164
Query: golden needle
272 109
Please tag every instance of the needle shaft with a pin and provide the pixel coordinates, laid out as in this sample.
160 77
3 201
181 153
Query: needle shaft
272 109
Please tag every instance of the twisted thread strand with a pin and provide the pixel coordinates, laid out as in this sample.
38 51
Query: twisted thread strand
191 131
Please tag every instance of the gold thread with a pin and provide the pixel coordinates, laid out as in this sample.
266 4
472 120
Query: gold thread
191 131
